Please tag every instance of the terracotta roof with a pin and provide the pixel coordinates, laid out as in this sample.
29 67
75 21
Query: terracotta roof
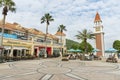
59 33
97 18
35 31
13 26
52 36
16 26
20 28
31 30
7 26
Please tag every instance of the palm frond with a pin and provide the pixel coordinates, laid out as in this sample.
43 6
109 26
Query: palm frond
62 28
12 9
84 35
51 19
58 29
9 4
47 18
1 3
43 19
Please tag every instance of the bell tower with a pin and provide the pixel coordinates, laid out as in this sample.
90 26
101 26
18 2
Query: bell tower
99 35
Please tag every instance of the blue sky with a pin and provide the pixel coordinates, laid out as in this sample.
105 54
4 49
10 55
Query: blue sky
76 15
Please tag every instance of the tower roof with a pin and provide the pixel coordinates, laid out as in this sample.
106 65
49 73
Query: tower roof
97 18
58 33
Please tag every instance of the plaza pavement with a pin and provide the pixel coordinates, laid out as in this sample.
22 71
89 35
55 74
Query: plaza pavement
55 69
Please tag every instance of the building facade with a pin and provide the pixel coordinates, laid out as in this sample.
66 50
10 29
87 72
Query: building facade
21 41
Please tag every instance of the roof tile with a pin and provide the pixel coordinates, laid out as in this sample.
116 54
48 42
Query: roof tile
97 18
59 33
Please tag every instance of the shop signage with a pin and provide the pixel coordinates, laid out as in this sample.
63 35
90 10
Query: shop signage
10 35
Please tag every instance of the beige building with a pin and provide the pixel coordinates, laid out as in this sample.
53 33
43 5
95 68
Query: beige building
21 41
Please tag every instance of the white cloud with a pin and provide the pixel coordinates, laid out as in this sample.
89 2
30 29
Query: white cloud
74 14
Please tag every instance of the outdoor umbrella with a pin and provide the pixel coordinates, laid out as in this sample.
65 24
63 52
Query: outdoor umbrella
95 50
71 50
78 50
111 50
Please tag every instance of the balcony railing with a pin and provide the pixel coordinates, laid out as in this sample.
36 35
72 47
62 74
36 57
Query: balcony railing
14 37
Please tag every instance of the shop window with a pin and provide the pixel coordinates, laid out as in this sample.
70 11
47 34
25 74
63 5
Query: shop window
15 53
6 31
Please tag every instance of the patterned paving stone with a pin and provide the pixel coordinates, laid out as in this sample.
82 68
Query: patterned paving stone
55 69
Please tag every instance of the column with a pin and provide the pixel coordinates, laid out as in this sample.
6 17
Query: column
11 53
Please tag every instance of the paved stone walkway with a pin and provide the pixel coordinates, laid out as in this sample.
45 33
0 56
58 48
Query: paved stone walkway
55 69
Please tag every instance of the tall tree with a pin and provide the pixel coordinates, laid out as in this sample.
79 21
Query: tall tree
116 45
47 18
7 5
82 47
84 35
61 28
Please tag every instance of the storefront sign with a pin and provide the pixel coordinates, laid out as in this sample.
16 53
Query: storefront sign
10 35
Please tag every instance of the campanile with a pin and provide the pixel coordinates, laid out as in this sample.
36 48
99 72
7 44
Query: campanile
99 35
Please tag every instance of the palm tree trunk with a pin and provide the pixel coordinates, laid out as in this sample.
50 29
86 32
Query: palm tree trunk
85 49
2 33
61 37
45 55
61 45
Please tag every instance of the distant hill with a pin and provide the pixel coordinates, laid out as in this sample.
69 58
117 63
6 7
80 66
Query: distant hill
71 44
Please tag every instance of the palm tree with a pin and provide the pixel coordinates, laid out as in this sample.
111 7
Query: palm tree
8 5
47 18
84 35
61 28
